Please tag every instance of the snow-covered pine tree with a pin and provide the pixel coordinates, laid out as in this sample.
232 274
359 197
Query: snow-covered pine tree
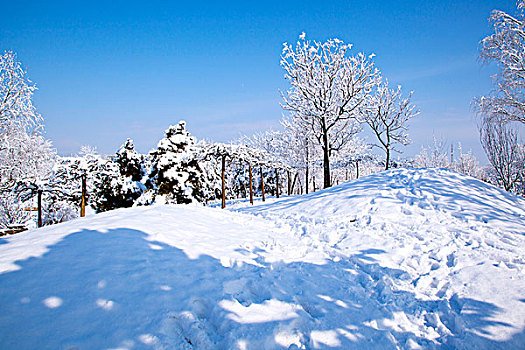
176 170
118 180
130 161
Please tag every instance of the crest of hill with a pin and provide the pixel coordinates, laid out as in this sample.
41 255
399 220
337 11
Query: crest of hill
398 193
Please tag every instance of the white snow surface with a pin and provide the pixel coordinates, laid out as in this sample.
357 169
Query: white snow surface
406 259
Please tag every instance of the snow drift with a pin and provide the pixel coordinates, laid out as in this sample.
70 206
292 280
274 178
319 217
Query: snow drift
400 259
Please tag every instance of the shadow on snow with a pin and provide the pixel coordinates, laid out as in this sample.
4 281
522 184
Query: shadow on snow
117 289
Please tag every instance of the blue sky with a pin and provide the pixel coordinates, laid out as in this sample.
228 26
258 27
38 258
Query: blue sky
111 70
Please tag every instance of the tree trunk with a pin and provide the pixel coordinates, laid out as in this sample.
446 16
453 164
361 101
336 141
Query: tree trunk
289 182
294 180
262 185
223 182
83 201
326 169
387 159
326 156
307 168
277 182
39 198
251 186
357 168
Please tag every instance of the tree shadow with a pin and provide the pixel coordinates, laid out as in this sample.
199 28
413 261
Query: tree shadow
120 290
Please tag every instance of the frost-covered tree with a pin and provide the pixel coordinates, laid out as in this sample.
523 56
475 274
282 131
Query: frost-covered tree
66 180
16 95
299 143
466 163
351 161
271 151
506 48
436 155
432 156
176 169
26 158
387 114
504 152
328 87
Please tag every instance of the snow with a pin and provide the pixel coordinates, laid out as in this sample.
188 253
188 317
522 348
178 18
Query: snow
410 259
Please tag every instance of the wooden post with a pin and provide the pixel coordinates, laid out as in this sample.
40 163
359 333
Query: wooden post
357 168
251 185
277 181
262 185
83 203
39 199
223 182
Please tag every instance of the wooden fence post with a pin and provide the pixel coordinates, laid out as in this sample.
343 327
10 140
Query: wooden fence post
223 182
83 203
262 185
277 181
39 201
251 184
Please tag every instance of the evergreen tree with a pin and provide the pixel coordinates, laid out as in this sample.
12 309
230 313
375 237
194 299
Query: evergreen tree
176 169
129 161
118 180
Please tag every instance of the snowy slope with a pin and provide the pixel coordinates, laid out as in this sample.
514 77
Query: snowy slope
401 259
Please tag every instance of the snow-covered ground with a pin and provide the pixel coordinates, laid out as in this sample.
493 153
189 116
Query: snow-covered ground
400 259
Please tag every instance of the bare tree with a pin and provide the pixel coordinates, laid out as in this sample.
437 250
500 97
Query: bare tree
505 154
506 48
387 115
327 89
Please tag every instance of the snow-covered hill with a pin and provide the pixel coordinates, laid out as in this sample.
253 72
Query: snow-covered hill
401 259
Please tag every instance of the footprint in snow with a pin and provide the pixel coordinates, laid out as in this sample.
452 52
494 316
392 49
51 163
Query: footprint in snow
451 260
441 293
